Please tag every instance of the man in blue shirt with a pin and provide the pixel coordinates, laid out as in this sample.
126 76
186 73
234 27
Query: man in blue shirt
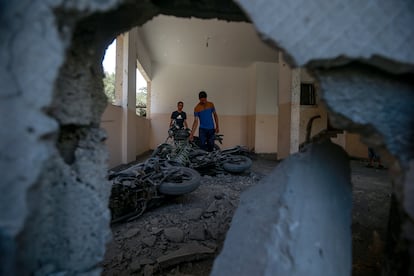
205 112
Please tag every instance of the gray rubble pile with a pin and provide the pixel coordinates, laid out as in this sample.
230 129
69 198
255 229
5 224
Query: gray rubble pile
183 230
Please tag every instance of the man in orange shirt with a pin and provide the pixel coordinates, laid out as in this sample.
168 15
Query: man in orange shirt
204 112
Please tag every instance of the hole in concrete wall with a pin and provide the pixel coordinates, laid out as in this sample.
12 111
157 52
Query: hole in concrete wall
109 63
141 95
208 42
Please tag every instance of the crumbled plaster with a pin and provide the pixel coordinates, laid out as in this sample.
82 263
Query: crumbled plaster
373 102
283 220
47 206
353 30
53 193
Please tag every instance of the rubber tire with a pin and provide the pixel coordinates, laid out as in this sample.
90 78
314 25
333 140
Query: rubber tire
191 181
243 163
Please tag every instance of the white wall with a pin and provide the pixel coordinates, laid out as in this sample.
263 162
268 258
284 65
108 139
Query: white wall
266 125
128 134
267 90
246 99
227 87
142 53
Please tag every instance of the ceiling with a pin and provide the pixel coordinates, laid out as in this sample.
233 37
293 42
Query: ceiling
174 40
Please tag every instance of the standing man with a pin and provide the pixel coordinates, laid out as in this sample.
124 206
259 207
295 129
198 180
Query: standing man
179 116
204 112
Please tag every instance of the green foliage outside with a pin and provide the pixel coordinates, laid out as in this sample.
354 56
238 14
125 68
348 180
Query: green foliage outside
109 86
141 95
141 103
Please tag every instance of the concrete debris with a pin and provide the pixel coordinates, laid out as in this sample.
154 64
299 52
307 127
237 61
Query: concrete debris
174 234
184 230
212 208
197 232
156 230
149 241
189 252
194 214
131 233
148 270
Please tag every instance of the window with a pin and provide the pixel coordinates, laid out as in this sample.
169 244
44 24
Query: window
141 95
109 69
307 94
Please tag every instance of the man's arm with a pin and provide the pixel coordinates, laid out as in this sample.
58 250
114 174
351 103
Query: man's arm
172 119
216 121
193 128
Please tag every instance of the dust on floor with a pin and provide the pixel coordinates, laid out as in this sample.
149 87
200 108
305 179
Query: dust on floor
185 234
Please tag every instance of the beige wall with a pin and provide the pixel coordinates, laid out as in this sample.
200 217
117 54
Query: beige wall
340 140
159 129
234 129
284 114
266 133
283 134
227 87
254 104
266 121
245 100
251 108
128 134
111 122
354 146
307 112
142 126
251 130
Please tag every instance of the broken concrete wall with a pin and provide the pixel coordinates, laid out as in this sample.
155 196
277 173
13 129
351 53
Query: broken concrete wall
334 32
53 192
296 221
375 36
53 214
53 203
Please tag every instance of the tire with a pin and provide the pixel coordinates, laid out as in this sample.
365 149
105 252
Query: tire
184 181
162 151
237 164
